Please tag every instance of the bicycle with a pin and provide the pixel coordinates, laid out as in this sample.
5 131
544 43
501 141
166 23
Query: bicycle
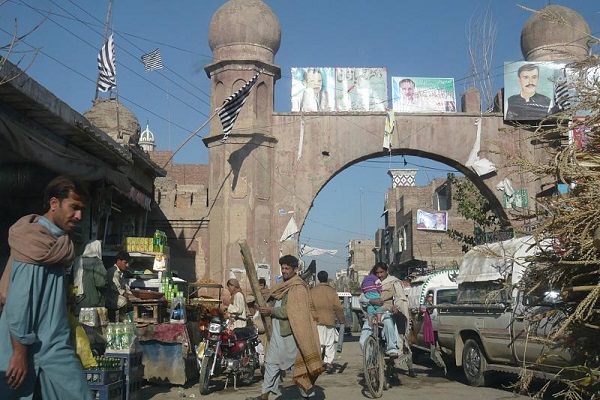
378 368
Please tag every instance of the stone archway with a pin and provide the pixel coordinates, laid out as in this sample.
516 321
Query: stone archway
274 161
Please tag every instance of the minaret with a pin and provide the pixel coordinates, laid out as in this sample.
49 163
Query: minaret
146 141
244 36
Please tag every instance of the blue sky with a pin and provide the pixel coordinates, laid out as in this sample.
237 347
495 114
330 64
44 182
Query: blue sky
409 38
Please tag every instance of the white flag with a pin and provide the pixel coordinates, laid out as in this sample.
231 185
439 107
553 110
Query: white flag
390 124
289 230
314 251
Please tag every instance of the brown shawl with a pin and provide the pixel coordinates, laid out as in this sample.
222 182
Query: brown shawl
301 314
33 243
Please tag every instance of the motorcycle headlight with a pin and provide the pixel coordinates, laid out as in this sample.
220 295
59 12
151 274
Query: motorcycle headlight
214 328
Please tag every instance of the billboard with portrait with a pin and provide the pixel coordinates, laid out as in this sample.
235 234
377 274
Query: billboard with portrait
313 89
432 221
317 89
529 89
421 95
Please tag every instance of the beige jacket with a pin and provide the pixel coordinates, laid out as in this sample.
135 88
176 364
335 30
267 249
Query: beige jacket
327 304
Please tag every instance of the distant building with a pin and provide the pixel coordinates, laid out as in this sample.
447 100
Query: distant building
408 249
360 258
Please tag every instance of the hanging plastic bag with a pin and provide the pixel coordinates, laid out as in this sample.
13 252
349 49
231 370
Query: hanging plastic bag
160 263
81 343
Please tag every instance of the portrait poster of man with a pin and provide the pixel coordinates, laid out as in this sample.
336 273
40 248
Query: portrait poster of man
422 95
435 221
361 89
529 89
313 89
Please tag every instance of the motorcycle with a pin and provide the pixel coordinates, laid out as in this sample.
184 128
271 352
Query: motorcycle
227 352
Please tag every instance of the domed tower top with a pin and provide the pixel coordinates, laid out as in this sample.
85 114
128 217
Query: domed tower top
146 141
244 30
555 33
124 128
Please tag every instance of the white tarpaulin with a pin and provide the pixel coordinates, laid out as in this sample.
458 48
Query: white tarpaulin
497 261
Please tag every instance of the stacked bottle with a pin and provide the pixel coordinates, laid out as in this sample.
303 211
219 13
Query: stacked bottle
120 336
159 241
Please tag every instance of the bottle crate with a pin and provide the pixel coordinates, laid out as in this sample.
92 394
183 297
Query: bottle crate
99 377
112 391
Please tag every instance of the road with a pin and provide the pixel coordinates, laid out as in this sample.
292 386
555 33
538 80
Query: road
348 383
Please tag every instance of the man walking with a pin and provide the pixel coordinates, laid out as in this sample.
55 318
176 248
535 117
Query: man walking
35 350
328 307
294 340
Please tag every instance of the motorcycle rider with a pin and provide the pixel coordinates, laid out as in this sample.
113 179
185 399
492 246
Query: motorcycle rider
237 307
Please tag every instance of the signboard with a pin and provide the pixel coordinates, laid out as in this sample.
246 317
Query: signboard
361 89
529 89
317 89
437 221
313 89
518 199
420 95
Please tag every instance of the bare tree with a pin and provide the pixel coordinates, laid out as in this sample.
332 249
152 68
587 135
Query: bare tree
481 37
24 58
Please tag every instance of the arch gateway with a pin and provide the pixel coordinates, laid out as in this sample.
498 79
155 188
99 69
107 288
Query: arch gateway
280 161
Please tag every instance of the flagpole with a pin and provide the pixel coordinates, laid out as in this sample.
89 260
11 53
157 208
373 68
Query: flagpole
190 137
110 2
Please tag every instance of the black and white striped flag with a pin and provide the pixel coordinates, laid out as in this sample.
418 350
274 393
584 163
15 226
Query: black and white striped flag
561 94
152 61
107 77
232 106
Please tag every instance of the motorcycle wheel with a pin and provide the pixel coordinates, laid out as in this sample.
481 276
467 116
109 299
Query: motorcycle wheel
248 378
205 375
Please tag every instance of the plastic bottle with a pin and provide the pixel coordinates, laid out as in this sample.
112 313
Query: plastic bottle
110 336
156 241
127 339
119 336
178 310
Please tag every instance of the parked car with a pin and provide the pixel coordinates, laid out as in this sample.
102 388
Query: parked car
495 325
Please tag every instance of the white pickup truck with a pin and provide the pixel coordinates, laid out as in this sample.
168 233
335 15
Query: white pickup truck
495 327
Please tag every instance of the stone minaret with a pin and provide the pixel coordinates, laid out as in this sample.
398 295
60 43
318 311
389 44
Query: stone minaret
244 36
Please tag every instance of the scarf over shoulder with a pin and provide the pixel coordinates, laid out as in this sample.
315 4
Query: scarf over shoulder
33 243
300 309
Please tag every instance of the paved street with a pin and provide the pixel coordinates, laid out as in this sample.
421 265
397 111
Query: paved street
347 383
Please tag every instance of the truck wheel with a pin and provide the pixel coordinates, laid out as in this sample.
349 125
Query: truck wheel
474 363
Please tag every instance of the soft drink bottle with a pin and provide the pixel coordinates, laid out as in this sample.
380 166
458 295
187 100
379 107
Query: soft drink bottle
111 336
119 336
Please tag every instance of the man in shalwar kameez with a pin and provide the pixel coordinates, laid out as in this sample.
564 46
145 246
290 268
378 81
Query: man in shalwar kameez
36 357
294 339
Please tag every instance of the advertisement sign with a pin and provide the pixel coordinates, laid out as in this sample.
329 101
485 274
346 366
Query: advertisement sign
529 89
437 221
313 89
317 89
420 95
361 89
519 199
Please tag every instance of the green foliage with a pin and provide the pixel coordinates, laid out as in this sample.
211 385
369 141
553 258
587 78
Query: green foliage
474 207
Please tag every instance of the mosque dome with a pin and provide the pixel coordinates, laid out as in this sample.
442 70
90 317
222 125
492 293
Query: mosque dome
244 30
103 115
146 141
555 33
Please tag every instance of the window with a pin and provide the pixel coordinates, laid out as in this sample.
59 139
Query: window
441 199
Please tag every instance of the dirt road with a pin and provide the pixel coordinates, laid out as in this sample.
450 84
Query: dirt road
347 383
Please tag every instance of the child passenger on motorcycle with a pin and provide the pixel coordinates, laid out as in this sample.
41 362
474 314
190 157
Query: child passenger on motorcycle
237 306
